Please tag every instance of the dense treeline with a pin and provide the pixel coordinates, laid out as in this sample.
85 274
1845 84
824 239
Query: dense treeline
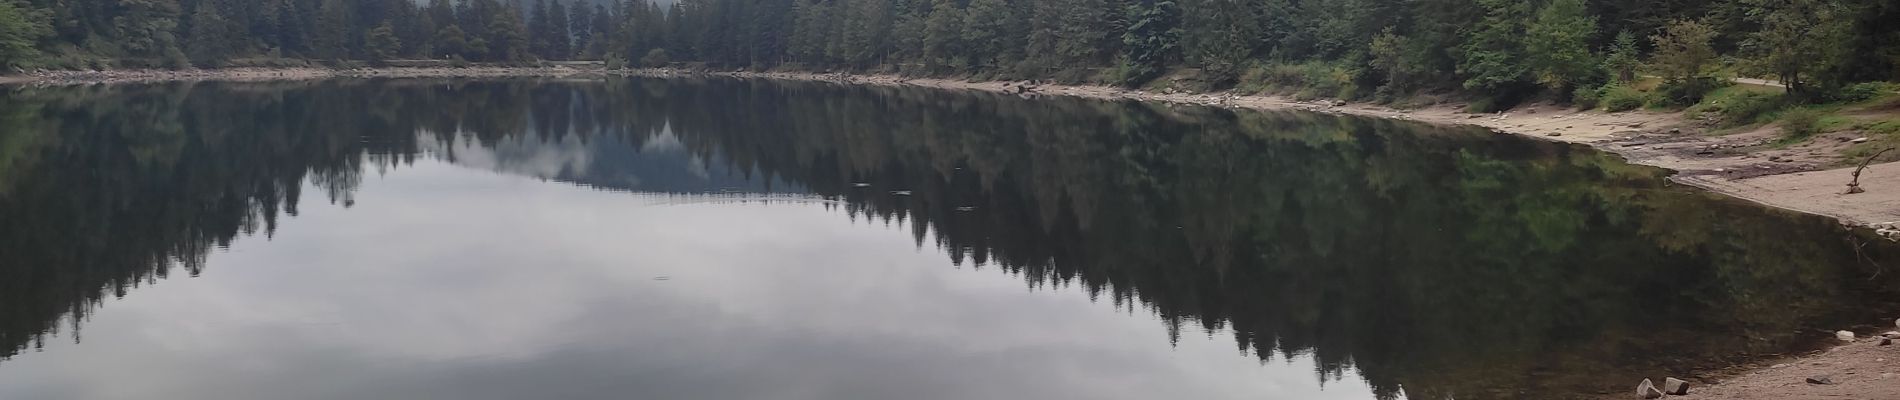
1342 48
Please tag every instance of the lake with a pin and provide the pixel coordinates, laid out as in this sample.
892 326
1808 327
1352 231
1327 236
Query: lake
714 238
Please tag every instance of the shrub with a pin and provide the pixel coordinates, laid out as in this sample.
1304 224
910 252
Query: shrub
1587 98
1860 92
1687 92
1620 98
1482 105
655 58
1800 123
1748 107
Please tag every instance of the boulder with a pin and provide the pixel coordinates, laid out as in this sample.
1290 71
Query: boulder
1844 336
1886 341
1675 386
1648 390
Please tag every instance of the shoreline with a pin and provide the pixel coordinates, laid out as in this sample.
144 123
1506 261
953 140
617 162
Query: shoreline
1747 166
1808 178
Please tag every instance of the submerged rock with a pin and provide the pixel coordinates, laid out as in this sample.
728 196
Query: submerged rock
1648 390
1675 386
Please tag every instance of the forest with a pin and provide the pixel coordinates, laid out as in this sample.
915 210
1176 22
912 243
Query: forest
1570 50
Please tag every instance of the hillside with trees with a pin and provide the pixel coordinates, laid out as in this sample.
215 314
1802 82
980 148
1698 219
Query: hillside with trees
1504 50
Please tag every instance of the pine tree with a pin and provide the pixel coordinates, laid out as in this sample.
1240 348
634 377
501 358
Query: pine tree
942 33
381 43
1492 59
1623 57
1152 39
580 24
208 43
560 36
984 24
507 38
148 30
450 41
1797 40
1557 44
20 28
540 32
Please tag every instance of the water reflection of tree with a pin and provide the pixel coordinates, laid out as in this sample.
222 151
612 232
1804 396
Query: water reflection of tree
1439 260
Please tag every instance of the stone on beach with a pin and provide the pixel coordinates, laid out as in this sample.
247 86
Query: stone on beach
1675 386
1648 390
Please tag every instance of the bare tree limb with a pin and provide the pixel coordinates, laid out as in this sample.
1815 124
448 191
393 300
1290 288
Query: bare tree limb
1854 186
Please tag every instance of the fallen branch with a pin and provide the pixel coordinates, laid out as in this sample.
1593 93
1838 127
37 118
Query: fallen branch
1854 186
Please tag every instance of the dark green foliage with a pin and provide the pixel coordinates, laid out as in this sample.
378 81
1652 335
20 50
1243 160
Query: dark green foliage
1619 98
382 43
1506 50
20 28
1800 123
1747 107
1152 39
655 58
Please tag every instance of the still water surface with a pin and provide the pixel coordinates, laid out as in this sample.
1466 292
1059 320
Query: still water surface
724 239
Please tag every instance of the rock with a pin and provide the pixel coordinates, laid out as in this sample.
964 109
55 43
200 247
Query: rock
1821 380
1554 134
1844 336
1673 131
1859 140
1675 386
1636 125
860 185
1648 390
900 192
966 209
1886 341
1890 334
1896 322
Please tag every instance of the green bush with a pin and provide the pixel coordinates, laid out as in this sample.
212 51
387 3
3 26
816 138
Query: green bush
1309 79
1860 92
1482 105
1587 98
1748 107
1687 92
1620 98
1800 123
655 58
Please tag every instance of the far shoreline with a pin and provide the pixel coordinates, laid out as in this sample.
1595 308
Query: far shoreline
1733 165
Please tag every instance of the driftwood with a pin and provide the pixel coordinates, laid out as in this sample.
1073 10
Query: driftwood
1854 186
